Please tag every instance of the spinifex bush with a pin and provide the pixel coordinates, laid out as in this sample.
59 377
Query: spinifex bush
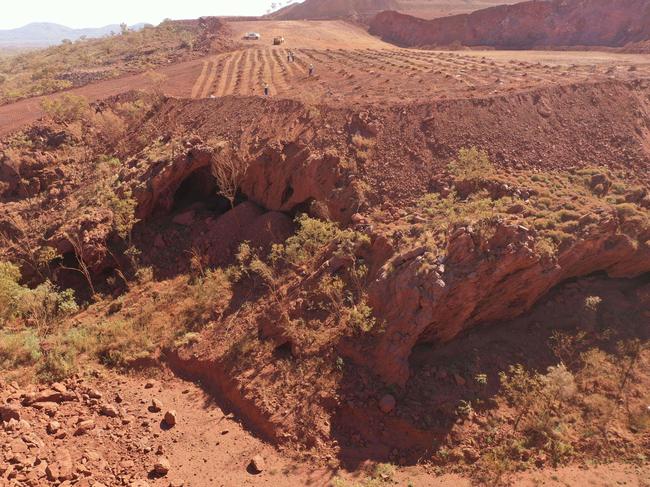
471 164
19 348
67 108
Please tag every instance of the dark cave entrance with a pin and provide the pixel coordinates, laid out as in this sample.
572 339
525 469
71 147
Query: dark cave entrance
200 190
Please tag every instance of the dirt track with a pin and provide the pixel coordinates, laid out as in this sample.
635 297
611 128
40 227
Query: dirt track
333 34
180 78
207 446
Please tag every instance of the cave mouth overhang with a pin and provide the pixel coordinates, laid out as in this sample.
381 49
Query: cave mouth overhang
199 188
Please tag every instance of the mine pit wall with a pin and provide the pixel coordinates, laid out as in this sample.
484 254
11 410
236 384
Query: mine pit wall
605 124
526 25
290 145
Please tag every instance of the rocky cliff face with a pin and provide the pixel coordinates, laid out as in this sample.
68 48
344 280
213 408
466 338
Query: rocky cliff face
486 281
527 25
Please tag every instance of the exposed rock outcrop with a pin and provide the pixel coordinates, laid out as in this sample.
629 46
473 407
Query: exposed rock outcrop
481 282
526 25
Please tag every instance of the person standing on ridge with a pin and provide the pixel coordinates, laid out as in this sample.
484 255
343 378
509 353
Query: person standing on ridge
266 89
311 70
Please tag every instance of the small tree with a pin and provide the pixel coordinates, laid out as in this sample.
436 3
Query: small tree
22 248
229 169
112 128
79 252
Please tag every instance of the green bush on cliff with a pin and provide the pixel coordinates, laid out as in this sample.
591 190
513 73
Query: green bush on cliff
10 291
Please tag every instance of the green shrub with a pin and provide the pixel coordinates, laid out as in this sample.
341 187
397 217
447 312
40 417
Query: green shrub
19 348
540 401
41 307
360 317
311 238
546 247
212 292
58 364
567 215
63 352
120 342
44 306
471 164
10 291
479 210
67 108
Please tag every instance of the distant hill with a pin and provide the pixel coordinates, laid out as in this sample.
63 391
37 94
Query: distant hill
41 34
526 25
365 9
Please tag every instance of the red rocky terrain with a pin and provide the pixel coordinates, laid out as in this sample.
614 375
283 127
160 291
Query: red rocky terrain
406 266
527 25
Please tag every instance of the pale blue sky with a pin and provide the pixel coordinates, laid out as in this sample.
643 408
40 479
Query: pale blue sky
94 13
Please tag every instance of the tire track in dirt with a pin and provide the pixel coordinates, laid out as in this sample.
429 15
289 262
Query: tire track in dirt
231 87
222 84
266 72
219 80
252 70
241 73
216 66
258 81
278 84
198 85
299 64
313 58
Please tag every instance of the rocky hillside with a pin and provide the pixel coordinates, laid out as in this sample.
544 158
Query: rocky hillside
349 278
40 34
365 9
82 62
535 24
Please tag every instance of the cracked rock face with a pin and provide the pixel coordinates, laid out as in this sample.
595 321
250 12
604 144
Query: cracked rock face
483 282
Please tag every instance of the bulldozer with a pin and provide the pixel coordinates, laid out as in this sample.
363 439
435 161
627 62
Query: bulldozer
278 40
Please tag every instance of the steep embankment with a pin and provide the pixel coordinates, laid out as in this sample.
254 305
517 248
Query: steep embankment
527 25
